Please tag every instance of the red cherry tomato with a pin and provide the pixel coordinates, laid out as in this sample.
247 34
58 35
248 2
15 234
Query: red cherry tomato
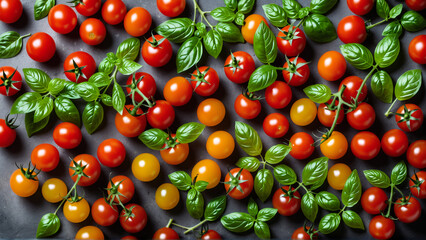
145 83
408 212
178 91
275 125
247 107
111 152
123 187
86 66
7 133
88 7
114 11
103 213
365 145
10 81
374 200
298 71
171 8
417 47
211 235
360 7
291 42
10 10
136 220
62 19
351 29
353 84
205 81
92 31
45 157
362 117
327 116
301 145
301 234
416 5
416 154
165 233
409 117
41 47
157 51
331 66
92 169
239 66
381 227
245 181
278 95
418 184
287 203
67 135
137 21
394 143
161 115
128 125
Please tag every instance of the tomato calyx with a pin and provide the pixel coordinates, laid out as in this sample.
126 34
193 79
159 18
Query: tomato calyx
289 193
75 3
417 182
405 200
78 71
29 173
235 182
291 34
155 43
78 169
235 63
199 77
133 90
170 142
128 213
293 66
313 234
407 116
114 193
8 82
251 96
10 122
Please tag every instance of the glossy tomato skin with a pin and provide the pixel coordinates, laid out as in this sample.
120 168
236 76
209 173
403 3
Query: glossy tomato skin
416 154
327 116
211 235
128 125
178 91
409 212
161 115
246 107
220 144
16 81
365 145
300 234
92 31
275 125
7 134
416 5
417 47
88 7
296 80
278 95
415 124
374 200
45 157
353 84
175 155
251 23
243 64
362 117
351 29
111 152
145 167
137 21
303 112
10 10
103 213
92 169
82 59
209 83
146 85
360 7
137 221
54 190
165 233
67 135
155 54
171 8
419 192
62 19
126 188
89 232
337 175
76 212
41 47
167 196
394 143
246 186
335 147
301 145
211 112
114 11
286 206
331 66
21 185
381 227
207 170
297 44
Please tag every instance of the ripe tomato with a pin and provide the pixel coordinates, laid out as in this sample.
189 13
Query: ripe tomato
291 42
145 167
331 66
62 19
165 233
360 7
247 106
23 182
278 95
88 7
205 81
301 234
10 10
287 202
128 125
89 232
416 5
177 91
365 145
79 66
297 71
220 144
211 235
240 181
111 152
45 157
41 47
416 154
92 31
207 170
122 187
417 47
351 29
362 117
337 175
144 83
167 196
239 66
114 11
171 8
301 145
275 125
10 81
7 133
374 200
303 112
418 184
157 51
335 147
103 213
407 212
327 116
76 212
175 155
137 21
161 115
91 168
135 220
409 117
211 112
251 23
394 143
381 227
67 135
353 84
54 190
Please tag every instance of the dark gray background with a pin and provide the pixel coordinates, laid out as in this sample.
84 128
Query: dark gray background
19 216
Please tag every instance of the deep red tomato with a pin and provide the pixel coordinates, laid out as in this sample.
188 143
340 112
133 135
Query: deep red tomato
128 125
244 180
171 8
416 5
374 200
247 106
331 66
111 152
394 143
275 125
67 135
360 7
103 213
409 117
327 116
416 154
136 220
362 117
407 212
114 11
45 157
291 42
351 29
417 47
79 66
10 10
365 145
10 81
301 234
418 184
161 115
353 84
239 66
178 91
92 169
297 72
7 133
165 233
381 227
205 81
145 83
301 145
287 203
41 47
157 51
211 235
278 95
122 187
88 7
137 21
92 31
62 19
251 23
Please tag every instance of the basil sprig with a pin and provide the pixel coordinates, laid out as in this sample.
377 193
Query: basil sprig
10 44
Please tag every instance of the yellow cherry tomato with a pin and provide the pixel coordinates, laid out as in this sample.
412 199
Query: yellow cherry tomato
211 112
251 23
303 112
21 185
54 190
167 196
145 167
89 232
76 212
220 144
335 147
337 175
207 170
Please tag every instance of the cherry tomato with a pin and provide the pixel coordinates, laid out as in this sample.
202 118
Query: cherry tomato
381 227
416 154
114 11
418 185
45 157
111 152
86 66
211 112
10 81
128 125
409 117
145 167
88 7
351 29
54 190
337 175
239 66
362 117
417 47
41 47
394 143
205 81
251 23
92 31
7 133
76 212
89 232
220 144
136 220
365 145
353 84
301 234
287 203
91 168
275 125
303 112
145 83
247 106
301 145
10 10
335 147
278 95
207 170
211 235
297 72
327 116
374 200
331 66
67 135
177 91
157 51
103 213
167 196
23 185
244 181
137 21
175 155
161 115
408 212
360 7
171 8
291 42
165 233
62 19
416 5
123 187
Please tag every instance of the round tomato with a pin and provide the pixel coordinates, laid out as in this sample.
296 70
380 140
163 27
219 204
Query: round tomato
207 170
137 21
211 112
145 167
303 112
10 10
92 31
416 154
287 201
362 117
121 188
418 184
381 227
10 81
417 48
157 51
296 71
301 145
128 125
278 95
88 7
175 153
247 106
62 19
211 235
7 133
161 115
365 145
45 157
171 8
114 11
220 144
239 66
54 190
351 29
394 143
76 212
352 85
205 81
24 182
374 200
177 91
41 47
91 166
416 5
240 185
407 211
167 196
301 234
275 125
89 232
360 7
337 175
111 152
103 213
165 233
331 66
79 66
141 83
251 23
335 147
327 116
291 42
67 135
133 218
409 117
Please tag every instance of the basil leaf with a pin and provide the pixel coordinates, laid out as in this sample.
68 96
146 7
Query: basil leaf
266 214
239 19
377 178
88 91
318 93
393 28
31 127
387 51
261 230
263 183
237 222
309 206
154 138
66 110
352 190
229 32
69 91
250 164
93 115
177 30
265 44
100 79
275 14
215 208
382 86
189 132
382 9
322 6
319 28
10 44
329 223
36 79
327 201
200 186
408 84
395 11
43 109
413 21
213 43
231 4
49 224
357 55
128 67
262 78
106 99
292 8
245 6
189 54
25 103
180 179
106 66
223 14
195 204
248 139
118 98
285 175
304 12
352 219
55 86
315 171
252 207
277 153
42 8
129 49
399 173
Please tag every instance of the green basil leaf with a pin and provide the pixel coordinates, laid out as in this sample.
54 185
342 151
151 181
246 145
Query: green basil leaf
263 183
315 171
292 8
395 11
377 178
100 79
49 224
56 85
309 206
106 66
189 54
106 99
195 204
118 98
215 208
25 103
413 21
275 14
201 186
252 207
189 132
154 138
399 173
393 28
304 12
318 93
36 79
266 214
43 109
248 139
387 51
239 19
265 44
382 9
329 223
408 84
128 67
319 28
223 14
277 153
181 180
201 30
10 44
88 91
357 55
352 190
382 86
285 175
66 110
42 8
261 230
250 164
177 30
352 219
213 43
327 201
237 222
322 6
129 49
69 91
262 78
245 6
229 32
93 115
31 127
231 4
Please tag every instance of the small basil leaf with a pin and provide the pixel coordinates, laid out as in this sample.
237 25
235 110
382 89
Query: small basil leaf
189 54
395 11
223 14
263 183
213 43
252 207
318 93
352 219
10 44
88 91
248 139
382 9
69 91
352 190
285 175
315 171
262 78
329 223
177 30
382 86
239 19
49 224
322 6
42 8
261 229
56 85
66 110
195 204
413 21
387 51
215 208
229 32
106 99
265 44
275 14
245 6
277 153
266 214
129 49
399 173
408 84
319 28
201 30
31 127
231 4
189 132
106 66
237 222
201 186
357 55
292 8
327 201
36 79
25 103
393 28
100 79
93 115
118 98
181 180
304 12
251 164
128 67
309 206
153 138
377 178
43 109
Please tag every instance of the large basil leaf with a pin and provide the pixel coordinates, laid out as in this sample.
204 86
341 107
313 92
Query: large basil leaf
189 132
10 44
285 175
382 9
357 55
180 179
118 98
245 6
26 103
275 14
265 44
229 32
42 8
36 79
248 139
251 164
129 49
189 54
322 6
88 91
327 201
408 84
31 127
399 173
266 214
315 171
262 78
387 51
263 183
413 21
66 110
277 153
176 30
69 91
237 222
319 28
93 115
223 14
309 206
154 138
261 229
213 43
352 219
318 93
393 28
215 208
377 178
43 109
382 86
352 190
195 204
292 8
49 224
329 223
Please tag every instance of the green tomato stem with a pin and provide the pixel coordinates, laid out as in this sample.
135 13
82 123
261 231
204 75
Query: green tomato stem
112 78
400 192
390 201
177 225
169 223
194 227
202 13
339 106
26 35
69 193
373 25
362 85
388 112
